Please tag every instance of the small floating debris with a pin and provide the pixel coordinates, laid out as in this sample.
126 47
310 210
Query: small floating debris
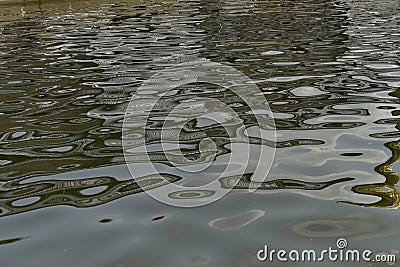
12 240
158 218
351 154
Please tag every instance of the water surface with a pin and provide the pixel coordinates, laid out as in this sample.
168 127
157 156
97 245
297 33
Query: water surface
329 70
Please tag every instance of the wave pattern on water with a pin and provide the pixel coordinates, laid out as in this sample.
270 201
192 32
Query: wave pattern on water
329 71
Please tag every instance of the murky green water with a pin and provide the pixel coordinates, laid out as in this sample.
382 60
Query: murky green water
330 71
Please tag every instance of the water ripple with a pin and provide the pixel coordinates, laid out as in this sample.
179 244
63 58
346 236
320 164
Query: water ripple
68 71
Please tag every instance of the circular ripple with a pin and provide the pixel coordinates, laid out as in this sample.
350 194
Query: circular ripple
322 228
191 194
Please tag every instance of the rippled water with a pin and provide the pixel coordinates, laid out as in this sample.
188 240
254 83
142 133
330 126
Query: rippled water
329 70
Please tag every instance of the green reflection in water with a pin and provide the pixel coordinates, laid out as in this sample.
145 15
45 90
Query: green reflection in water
388 191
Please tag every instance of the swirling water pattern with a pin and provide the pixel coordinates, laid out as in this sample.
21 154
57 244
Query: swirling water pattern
68 75
329 70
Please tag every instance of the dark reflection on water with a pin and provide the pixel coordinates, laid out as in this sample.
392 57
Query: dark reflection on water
329 70
90 192
81 193
244 182
12 240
